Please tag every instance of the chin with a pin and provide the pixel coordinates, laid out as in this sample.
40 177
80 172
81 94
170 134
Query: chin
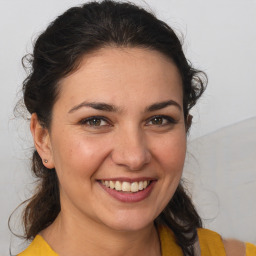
130 222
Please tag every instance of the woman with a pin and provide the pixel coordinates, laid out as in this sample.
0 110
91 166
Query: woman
109 95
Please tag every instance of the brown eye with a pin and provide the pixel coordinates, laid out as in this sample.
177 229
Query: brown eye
161 120
94 122
157 120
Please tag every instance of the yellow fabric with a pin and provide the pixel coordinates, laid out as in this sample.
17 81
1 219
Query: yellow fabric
168 244
38 247
250 249
210 244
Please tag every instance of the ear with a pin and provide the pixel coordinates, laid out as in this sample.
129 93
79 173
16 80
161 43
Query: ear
189 122
42 141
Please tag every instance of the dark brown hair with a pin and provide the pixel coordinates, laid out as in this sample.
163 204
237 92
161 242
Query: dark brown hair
57 52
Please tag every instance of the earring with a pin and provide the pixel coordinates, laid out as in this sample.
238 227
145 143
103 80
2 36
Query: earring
45 161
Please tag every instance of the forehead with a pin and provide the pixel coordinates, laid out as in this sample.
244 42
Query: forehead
119 75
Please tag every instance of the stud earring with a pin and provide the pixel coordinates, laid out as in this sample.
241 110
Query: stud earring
45 161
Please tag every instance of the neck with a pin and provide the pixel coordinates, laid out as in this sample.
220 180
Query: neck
70 237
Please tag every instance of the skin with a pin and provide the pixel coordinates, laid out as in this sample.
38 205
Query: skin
127 143
234 247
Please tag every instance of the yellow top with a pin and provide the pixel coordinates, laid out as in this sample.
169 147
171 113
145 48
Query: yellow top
210 243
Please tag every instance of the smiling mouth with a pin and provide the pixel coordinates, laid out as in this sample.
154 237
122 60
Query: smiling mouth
125 186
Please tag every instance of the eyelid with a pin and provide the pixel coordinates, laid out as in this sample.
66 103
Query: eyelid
170 120
87 119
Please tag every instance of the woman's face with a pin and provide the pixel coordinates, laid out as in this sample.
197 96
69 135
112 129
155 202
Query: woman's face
118 137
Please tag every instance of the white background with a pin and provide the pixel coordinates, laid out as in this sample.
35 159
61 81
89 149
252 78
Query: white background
219 38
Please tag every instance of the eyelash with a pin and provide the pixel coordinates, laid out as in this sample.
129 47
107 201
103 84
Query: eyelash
169 120
96 118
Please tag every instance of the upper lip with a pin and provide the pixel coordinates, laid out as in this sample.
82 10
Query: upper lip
128 179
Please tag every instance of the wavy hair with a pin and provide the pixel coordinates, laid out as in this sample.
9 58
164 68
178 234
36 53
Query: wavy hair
58 51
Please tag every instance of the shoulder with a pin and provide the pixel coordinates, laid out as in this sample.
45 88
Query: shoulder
237 248
250 249
234 247
38 247
211 243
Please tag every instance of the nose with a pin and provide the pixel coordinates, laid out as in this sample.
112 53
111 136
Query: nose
131 150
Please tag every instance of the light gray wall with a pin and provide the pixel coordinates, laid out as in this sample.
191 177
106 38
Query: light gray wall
220 172
220 38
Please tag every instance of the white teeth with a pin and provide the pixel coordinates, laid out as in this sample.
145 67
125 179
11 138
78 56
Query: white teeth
135 187
112 184
118 186
126 186
141 185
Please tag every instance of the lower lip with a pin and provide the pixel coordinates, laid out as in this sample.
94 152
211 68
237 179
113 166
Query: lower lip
130 197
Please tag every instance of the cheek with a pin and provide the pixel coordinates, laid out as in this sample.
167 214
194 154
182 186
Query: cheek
77 160
78 155
172 160
171 152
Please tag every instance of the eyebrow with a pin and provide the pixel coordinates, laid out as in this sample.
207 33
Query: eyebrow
111 108
95 105
161 105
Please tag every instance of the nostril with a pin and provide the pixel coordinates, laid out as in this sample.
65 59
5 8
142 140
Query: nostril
138 160
130 149
131 160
